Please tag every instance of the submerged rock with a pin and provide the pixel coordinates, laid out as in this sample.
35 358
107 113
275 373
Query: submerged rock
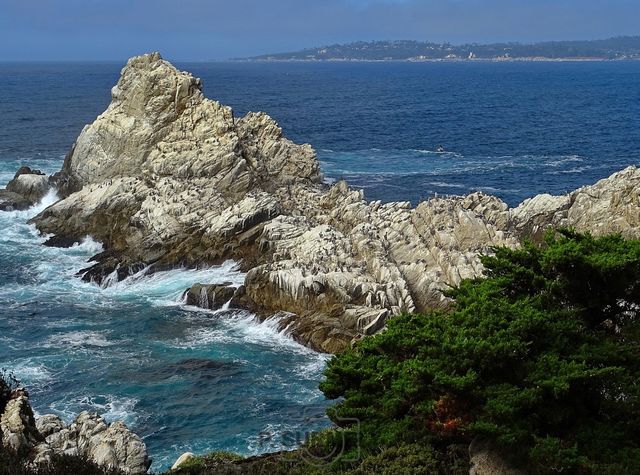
166 177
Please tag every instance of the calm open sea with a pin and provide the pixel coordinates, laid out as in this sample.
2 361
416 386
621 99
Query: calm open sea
198 381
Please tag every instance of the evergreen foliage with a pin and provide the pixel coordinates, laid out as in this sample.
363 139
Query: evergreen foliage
541 355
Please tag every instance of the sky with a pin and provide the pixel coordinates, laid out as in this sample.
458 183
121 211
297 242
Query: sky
192 30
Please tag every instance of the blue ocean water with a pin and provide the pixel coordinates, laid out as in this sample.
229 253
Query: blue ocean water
191 380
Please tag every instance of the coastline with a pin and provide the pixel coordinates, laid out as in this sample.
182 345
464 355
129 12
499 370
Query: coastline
440 60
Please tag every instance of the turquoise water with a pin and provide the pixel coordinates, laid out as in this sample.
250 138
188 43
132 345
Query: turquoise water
182 378
191 380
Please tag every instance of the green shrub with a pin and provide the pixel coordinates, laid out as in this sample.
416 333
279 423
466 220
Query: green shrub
542 356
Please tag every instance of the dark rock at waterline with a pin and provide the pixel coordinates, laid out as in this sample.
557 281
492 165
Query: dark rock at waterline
108 263
211 296
61 241
10 201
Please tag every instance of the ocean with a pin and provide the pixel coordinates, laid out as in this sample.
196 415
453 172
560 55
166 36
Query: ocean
191 380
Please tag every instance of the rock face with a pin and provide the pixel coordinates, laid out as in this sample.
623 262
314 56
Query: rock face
89 436
165 177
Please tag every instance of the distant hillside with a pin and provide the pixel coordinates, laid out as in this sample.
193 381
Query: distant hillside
624 47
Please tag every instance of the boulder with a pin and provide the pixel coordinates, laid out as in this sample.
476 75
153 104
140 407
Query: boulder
32 187
183 459
117 447
31 184
49 424
211 296
486 459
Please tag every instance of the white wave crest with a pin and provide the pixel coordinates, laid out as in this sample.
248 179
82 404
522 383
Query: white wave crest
166 288
78 339
112 408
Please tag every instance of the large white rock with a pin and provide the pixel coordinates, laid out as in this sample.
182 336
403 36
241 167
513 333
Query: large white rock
108 445
184 458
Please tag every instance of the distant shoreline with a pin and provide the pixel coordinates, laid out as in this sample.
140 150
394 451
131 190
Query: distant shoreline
437 60
612 49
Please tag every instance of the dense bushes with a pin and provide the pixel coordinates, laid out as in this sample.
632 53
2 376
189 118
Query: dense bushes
541 356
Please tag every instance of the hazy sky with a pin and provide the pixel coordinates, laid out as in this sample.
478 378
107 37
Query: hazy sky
216 29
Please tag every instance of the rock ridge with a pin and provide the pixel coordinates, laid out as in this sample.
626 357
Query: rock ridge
165 177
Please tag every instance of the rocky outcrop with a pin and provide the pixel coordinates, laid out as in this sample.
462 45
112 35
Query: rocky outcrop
17 424
111 446
10 201
610 206
26 188
213 296
165 177
108 445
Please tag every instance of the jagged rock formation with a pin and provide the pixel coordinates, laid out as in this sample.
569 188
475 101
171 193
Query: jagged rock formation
166 177
17 424
89 436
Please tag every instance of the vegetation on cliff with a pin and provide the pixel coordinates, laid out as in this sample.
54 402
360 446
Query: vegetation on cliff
541 356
